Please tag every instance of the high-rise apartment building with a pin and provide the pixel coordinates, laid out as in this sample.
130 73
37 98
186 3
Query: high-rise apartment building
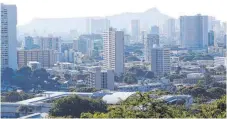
101 79
97 26
113 47
69 55
151 39
160 62
8 36
193 31
87 43
49 43
143 37
170 31
135 31
47 58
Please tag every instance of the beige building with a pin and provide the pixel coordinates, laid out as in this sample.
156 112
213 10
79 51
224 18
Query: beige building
46 58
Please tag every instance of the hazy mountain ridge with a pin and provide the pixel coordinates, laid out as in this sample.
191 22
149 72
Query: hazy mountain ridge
54 25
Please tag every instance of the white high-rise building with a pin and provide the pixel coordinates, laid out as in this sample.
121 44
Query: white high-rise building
101 79
113 47
8 36
160 62
193 31
135 31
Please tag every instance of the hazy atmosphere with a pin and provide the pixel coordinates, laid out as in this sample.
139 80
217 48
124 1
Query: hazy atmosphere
30 9
113 58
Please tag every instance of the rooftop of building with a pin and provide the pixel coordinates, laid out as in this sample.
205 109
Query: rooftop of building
117 97
138 85
170 97
110 97
33 62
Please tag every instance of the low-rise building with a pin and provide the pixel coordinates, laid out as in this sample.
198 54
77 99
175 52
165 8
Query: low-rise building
141 88
64 65
45 57
101 79
193 78
217 50
34 65
205 62
219 61
174 59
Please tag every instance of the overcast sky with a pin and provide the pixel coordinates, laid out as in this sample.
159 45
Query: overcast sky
29 9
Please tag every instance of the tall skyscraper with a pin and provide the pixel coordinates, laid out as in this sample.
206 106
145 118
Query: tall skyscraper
170 31
143 36
151 39
113 47
160 62
8 36
193 31
28 43
135 31
211 38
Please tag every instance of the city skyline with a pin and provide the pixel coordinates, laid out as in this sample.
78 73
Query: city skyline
77 61
103 8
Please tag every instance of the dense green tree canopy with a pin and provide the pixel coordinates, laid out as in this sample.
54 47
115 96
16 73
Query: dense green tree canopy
84 89
74 105
142 106
129 78
15 96
27 79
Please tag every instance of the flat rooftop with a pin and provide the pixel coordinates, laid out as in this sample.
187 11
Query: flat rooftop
52 95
